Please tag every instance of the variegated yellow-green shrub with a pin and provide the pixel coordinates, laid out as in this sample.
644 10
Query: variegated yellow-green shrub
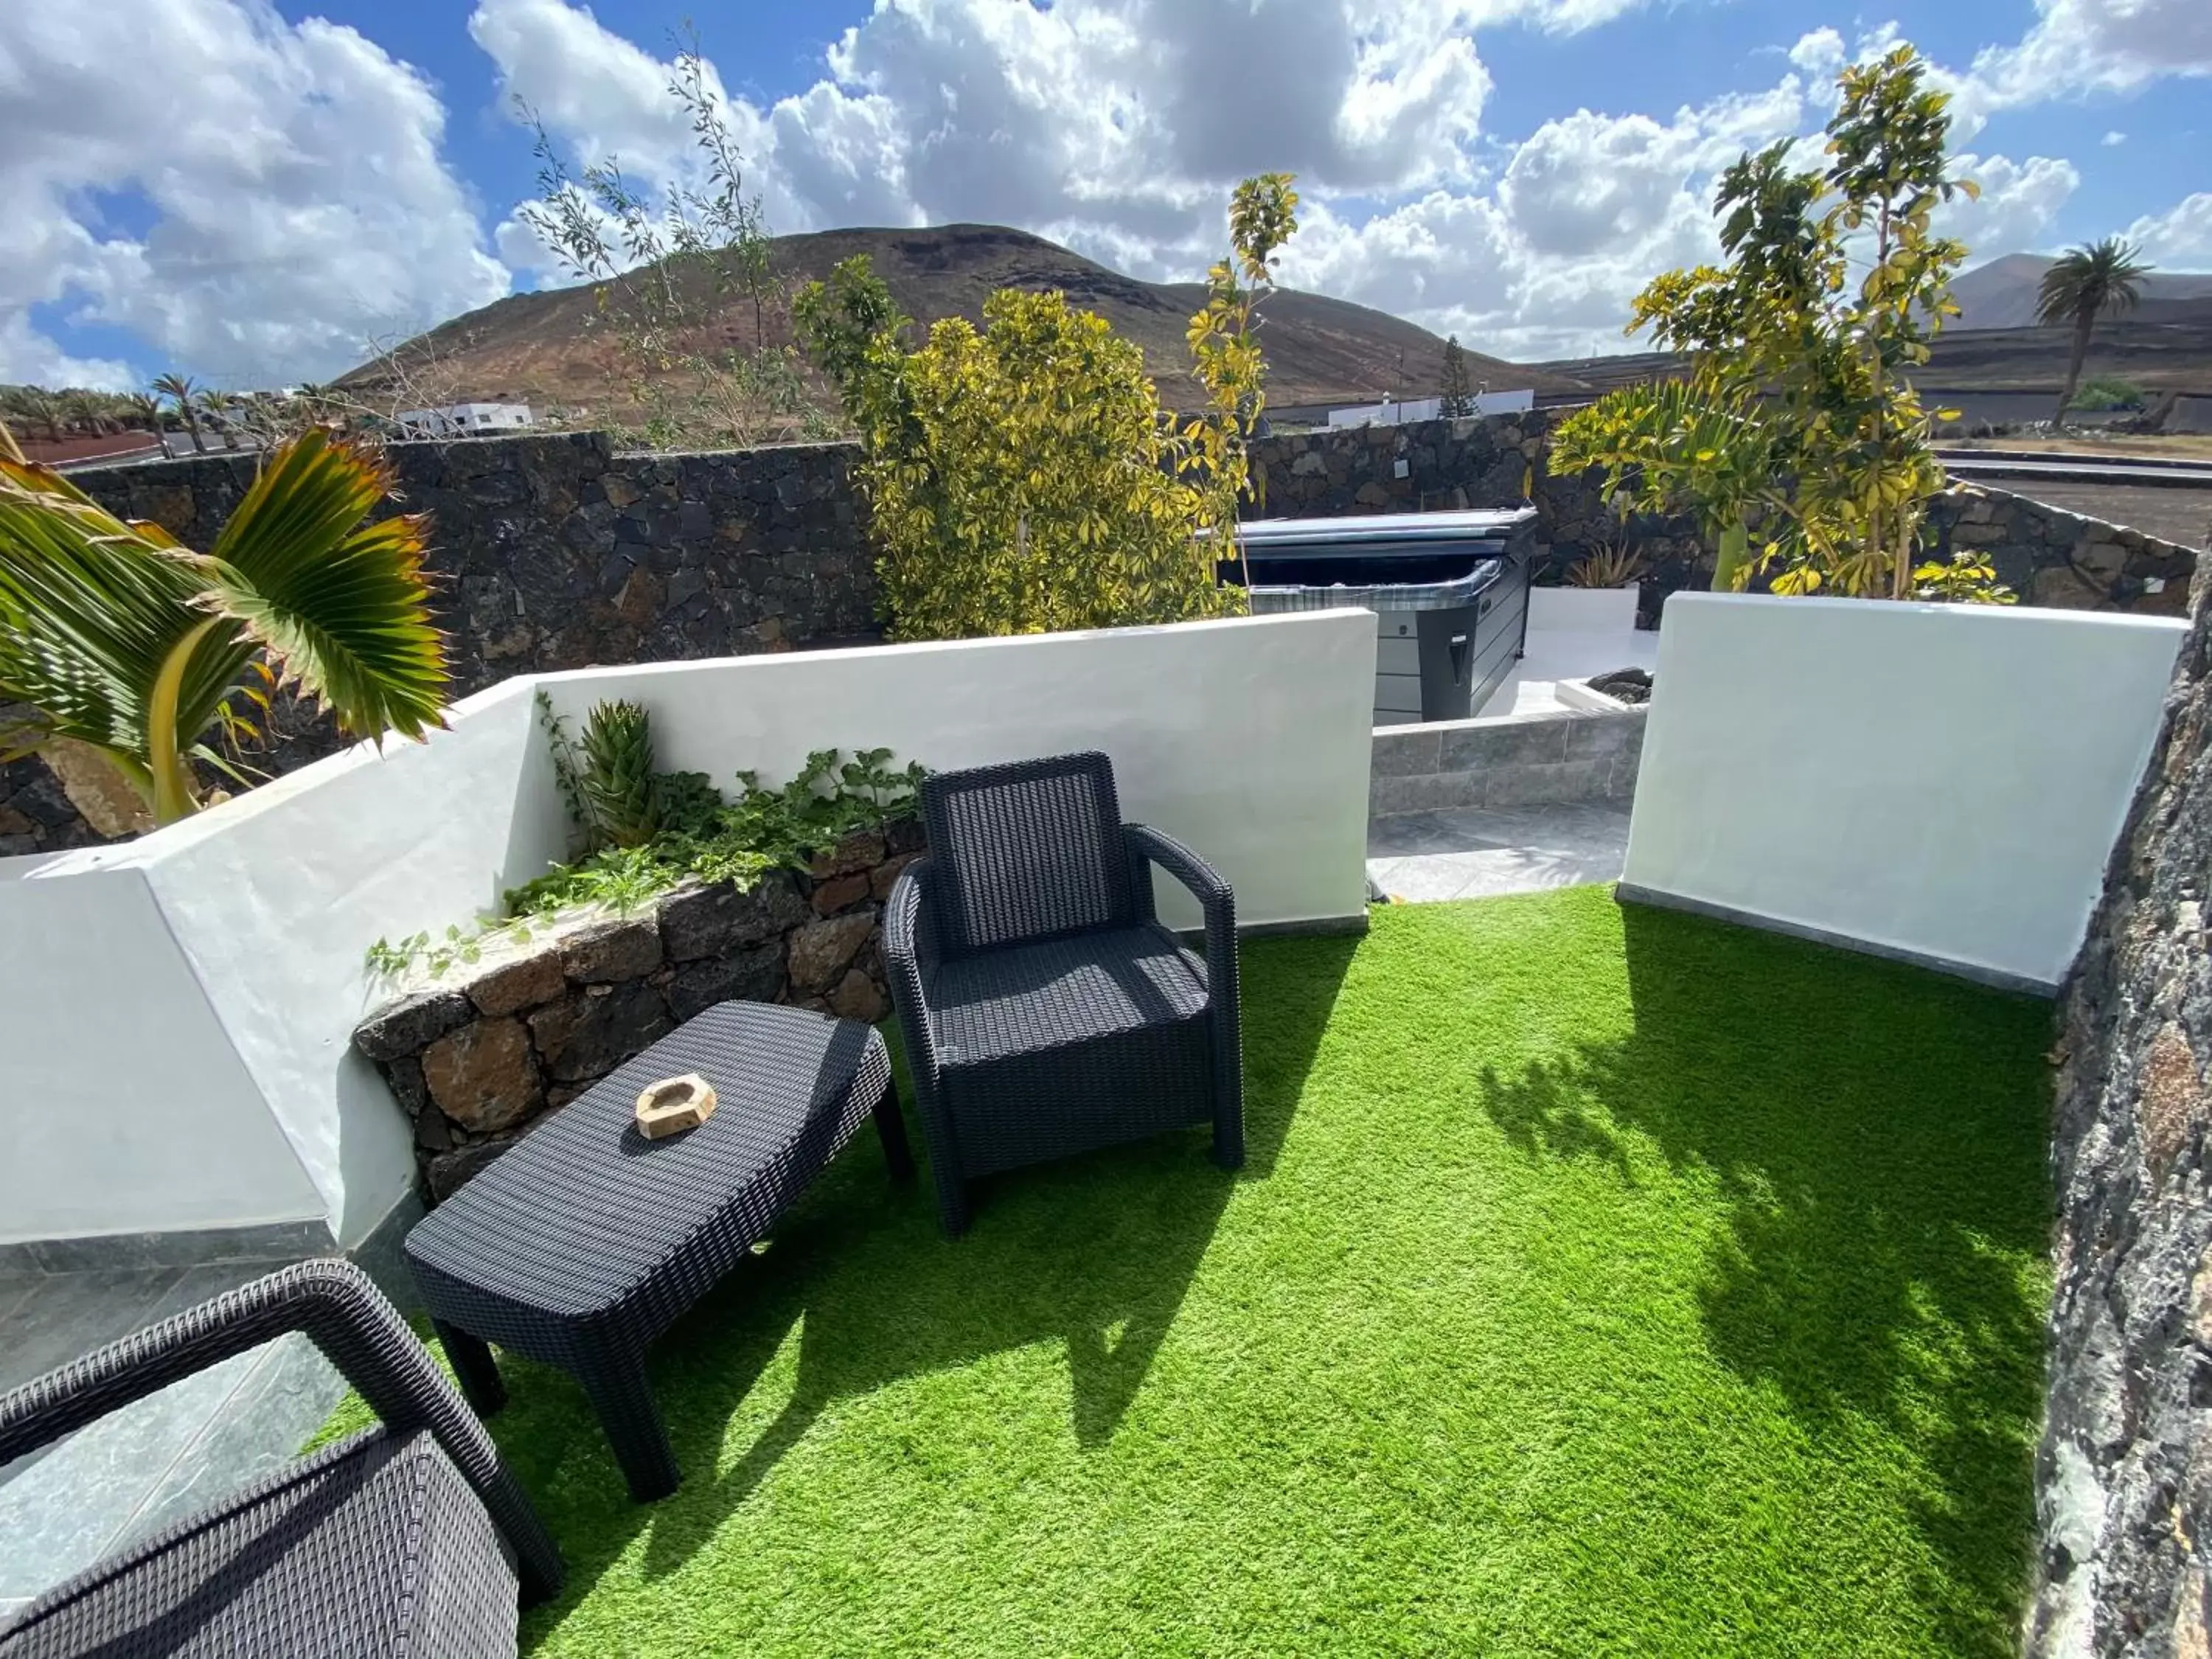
1023 477
1797 440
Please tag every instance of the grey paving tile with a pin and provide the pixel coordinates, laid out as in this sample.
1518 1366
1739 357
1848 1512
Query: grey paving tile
14 1287
72 1506
288 1393
1486 852
66 1315
1423 878
1454 831
1526 870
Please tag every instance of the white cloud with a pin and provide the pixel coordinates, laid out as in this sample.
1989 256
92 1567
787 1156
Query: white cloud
249 198
278 190
1107 123
2078 47
2110 139
2018 203
2180 239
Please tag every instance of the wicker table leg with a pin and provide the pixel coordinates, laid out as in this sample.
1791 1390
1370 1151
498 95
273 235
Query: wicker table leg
615 1382
472 1365
890 1129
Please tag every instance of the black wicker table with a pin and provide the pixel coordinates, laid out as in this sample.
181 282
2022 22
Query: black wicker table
584 1240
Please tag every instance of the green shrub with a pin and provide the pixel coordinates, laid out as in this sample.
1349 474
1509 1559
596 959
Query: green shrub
2108 392
1023 478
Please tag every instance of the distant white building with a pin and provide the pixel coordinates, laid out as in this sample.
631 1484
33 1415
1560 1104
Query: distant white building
463 420
1429 409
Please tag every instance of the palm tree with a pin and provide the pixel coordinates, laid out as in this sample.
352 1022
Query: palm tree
141 411
184 392
117 636
221 408
2082 286
86 411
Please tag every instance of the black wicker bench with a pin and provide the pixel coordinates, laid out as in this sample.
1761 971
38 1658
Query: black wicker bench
585 1240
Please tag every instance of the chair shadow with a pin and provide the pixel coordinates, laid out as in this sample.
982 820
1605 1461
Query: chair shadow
1096 1253
1891 1195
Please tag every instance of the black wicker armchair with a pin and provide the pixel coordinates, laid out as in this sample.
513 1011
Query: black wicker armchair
410 1538
1046 1010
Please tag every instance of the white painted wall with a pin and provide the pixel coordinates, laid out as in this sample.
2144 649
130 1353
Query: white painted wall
126 1107
242 931
1249 739
1942 779
274 898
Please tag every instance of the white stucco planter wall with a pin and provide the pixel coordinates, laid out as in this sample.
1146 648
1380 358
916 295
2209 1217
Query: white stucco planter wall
1582 610
1940 782
231 946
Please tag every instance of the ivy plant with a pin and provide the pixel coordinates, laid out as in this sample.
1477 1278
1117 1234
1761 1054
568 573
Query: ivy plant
700 836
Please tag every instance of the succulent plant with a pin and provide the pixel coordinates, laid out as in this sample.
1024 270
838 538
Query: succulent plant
620 805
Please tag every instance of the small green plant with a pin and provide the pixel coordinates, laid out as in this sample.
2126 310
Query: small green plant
2108 392
1967 577
614 776
1614 565
701 837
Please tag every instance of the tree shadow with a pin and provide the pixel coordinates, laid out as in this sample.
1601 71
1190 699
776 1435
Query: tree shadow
1096 1253
1877 1134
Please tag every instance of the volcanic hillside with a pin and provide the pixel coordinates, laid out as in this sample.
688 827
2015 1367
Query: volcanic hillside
544 348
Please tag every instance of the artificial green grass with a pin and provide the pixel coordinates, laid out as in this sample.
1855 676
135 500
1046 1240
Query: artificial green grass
1603 1281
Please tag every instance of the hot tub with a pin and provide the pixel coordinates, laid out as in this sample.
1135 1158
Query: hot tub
1450 592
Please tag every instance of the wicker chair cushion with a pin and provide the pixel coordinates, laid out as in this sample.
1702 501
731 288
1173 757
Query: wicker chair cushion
1030 999
374 1545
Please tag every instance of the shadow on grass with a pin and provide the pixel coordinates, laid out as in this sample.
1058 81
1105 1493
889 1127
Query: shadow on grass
1095 1252
1874 1131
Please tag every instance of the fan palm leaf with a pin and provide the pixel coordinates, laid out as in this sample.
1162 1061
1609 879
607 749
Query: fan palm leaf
122 639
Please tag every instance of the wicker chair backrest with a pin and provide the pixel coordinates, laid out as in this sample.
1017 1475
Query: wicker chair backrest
1025 852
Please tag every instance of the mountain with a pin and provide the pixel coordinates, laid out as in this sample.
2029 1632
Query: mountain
542 349
2002 295
2165 345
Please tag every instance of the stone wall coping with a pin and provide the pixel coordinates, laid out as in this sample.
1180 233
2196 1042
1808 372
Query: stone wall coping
1519 717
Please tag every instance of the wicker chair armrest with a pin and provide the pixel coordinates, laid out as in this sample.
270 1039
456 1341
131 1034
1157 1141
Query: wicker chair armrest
1205 882
911 955
1223 982
338 1308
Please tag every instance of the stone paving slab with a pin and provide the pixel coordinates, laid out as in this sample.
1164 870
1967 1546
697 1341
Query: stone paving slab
1478 853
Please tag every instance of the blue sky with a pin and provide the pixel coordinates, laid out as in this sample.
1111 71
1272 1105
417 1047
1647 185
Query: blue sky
304 179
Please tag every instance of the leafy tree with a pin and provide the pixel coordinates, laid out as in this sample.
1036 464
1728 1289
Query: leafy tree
2089 282
1458 401
183 391
121 639
1797 440
664 277
1225 354
1023 478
